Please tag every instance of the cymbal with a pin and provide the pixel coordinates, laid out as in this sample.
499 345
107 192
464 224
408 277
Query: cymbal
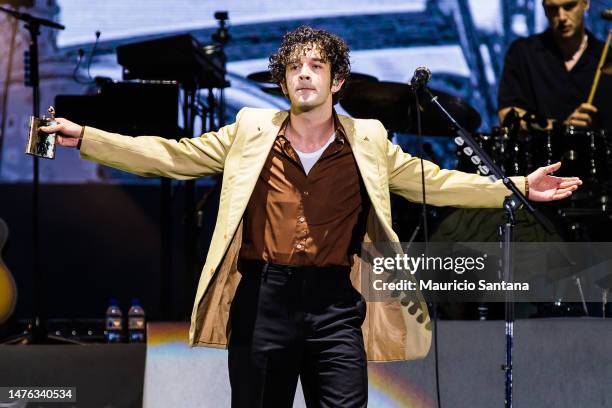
264 77
358 77
393 104
273 90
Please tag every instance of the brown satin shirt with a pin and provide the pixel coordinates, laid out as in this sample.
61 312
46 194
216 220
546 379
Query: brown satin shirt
297 219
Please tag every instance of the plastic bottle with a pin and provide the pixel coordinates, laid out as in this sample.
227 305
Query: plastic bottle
136 323
114 322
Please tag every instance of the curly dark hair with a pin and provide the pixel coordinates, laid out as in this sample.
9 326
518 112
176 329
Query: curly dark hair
333 50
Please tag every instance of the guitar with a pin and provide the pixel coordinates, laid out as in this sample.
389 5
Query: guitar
8 289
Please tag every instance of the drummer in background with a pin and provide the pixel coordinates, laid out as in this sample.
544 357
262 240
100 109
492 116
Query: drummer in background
550 74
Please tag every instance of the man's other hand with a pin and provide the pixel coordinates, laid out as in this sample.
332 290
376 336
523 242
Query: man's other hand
582 115
68 133
544 187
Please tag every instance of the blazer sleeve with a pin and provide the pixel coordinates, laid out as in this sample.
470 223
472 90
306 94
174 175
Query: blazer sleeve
150 156
442 187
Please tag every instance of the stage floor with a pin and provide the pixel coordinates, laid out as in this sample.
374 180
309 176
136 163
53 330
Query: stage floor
565 362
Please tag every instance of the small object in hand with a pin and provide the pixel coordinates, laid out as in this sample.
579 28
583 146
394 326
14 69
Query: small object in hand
41 144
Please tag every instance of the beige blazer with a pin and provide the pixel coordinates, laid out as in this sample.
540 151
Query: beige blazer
391 331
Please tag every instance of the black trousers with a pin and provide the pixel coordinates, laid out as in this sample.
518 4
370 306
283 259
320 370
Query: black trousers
289 322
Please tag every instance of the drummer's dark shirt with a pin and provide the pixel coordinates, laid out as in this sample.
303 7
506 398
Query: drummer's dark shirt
535 79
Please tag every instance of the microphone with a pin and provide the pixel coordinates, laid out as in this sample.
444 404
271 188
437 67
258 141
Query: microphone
606 14
421 76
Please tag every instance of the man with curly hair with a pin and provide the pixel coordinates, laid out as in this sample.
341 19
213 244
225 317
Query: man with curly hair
301 191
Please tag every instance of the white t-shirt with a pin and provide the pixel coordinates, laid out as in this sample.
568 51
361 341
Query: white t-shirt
309 159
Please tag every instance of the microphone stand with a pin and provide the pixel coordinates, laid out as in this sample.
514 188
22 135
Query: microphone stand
487 167
37 331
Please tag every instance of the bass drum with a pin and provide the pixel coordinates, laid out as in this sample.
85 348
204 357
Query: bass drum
482 225
584 153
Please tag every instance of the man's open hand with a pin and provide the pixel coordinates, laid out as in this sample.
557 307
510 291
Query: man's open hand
582 115
544 187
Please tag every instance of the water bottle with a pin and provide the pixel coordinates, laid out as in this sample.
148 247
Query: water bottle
114 322
136 322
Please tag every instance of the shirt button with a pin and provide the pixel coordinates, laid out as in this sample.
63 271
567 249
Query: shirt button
299 246
301 219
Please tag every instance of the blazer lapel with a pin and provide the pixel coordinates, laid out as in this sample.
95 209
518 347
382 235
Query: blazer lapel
256 147
367 163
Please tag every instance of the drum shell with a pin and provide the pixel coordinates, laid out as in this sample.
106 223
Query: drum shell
584 153
511 154
489 142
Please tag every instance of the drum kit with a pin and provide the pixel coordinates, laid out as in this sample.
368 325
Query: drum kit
517 149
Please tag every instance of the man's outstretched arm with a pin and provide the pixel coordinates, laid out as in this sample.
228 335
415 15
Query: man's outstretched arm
459 189
149 155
